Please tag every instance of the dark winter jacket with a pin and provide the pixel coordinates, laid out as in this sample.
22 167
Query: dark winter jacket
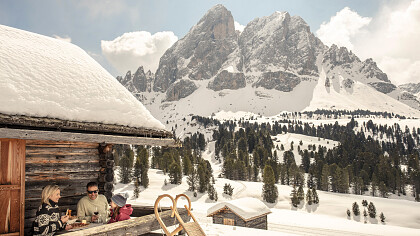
123 214
48 221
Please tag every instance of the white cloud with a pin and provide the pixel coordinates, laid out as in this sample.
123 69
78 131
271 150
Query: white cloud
391 39
134 49
65 38
239 27
342 27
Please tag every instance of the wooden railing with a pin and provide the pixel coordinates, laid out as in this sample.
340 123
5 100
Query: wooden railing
137 226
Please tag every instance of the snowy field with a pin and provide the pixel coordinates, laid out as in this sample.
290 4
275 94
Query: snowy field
327 218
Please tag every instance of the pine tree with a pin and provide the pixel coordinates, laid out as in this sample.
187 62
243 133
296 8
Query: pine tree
364 203
125 170
383 190
270 192
186 165
325 178
365 215
136 191
348 213
306 161
309 196
300 193
143 156
372 210
382 216
374 184
192 180
315 197
202 182
294 197
227 189
211 191
355 209
137 169
175 173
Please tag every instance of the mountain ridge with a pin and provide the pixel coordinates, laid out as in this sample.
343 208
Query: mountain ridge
275 58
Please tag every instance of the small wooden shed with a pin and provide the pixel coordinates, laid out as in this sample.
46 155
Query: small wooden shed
60 114
245 212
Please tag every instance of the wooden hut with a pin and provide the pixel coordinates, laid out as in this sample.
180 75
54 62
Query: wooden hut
245 212
60 114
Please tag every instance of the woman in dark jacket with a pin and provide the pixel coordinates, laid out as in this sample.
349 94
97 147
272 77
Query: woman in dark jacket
119 210
48 220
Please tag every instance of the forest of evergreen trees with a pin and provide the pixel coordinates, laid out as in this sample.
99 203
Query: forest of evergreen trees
386 160
382 158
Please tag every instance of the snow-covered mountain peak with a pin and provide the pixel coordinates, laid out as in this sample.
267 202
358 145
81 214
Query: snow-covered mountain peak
272 66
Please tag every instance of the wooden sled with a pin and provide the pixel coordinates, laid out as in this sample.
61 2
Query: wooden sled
191 228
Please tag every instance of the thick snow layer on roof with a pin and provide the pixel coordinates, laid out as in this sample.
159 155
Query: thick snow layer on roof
246 208
45 77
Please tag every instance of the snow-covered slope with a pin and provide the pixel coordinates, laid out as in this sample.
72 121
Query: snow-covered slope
327 218
353 96
45 77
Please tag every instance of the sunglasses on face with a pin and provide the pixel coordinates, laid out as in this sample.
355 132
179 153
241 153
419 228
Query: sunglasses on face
94 191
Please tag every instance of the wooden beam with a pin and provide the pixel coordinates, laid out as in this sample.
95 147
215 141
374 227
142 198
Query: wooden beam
137 226
58 124
84 137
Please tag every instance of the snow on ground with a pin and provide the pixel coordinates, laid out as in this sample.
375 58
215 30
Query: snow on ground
287 138
46 77
327 218
361 96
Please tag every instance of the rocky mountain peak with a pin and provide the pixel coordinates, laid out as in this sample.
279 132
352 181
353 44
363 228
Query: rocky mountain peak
138 82
218 21
339 56
200 54
280 42
372 70
410 87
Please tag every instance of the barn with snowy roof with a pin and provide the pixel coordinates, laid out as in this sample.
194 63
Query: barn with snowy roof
245 212
60 115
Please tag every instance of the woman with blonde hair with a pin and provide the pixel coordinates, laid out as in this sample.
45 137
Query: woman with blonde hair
48 221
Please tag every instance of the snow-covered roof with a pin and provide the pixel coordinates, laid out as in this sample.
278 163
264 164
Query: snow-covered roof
247 208
44 77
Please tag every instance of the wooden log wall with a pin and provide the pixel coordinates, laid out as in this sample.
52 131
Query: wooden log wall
70 165
257 223
106 173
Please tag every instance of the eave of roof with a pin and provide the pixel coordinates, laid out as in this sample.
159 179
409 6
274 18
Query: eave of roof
25 127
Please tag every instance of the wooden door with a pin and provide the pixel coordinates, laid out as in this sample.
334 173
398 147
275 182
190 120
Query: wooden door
228 221
12 186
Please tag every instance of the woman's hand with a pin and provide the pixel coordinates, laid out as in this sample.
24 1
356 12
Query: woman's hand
65 218
68 227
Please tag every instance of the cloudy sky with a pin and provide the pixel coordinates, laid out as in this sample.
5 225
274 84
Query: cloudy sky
122 35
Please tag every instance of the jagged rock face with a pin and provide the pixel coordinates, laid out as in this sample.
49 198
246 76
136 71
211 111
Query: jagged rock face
139 82
348 83
371 70
227 80
282 42
339 57
201 53
282 81
410 87
180 89
383 87
126 80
